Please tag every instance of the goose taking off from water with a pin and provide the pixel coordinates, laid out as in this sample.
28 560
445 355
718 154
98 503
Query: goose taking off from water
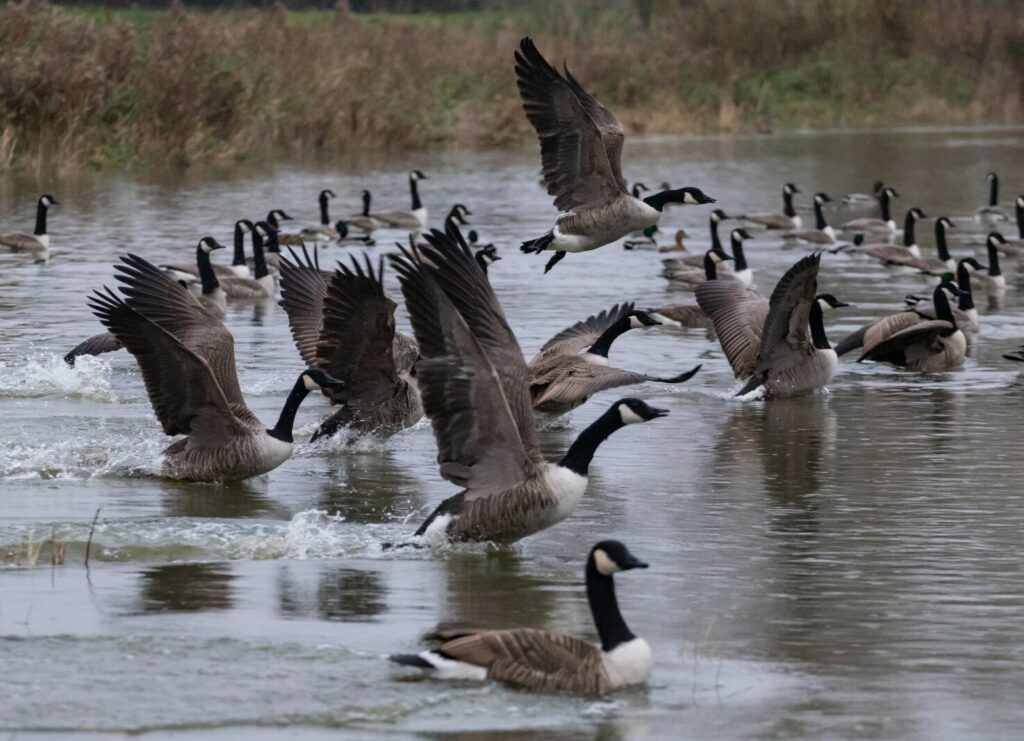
187 358
37 243
475 387
581 155
540 660
344 323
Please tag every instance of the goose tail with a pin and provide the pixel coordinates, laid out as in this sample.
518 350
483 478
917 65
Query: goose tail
539 244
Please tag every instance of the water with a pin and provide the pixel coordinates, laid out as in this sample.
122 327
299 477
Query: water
842 565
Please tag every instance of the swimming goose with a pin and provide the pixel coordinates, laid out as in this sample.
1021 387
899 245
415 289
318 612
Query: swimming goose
692 278
238 268
274 218
892 254
991 281
788 219
324 231
945 262
697 261
965 312
413 220
688 316
540 660
779 344
910 341
573 365
364 220
1015 247
37 243
344 323
991 213
885 225
212 296
581 152
187 360
865 199
475 388
261 285
822 232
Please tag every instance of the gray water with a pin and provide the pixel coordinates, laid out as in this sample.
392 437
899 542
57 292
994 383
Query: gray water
843 565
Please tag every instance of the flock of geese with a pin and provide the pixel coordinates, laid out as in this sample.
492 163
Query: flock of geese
464 368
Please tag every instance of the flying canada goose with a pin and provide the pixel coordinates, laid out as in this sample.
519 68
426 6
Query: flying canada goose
238 268
563 376
965 313
539 660
413 220
779 344
475 388
788 219
344 323
324 231
892 254
991 213
822 232
885 225
692 278
1017 355
187 359
261 285
865 199
37 243
274 218
581 153
910 341
992 281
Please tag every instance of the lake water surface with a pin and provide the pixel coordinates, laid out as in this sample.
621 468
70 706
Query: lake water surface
844 565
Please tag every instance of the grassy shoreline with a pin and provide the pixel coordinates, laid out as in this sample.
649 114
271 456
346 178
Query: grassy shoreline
87 87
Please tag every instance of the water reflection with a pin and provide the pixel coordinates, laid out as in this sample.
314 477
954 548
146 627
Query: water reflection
368 488
235 499
337 593
185 587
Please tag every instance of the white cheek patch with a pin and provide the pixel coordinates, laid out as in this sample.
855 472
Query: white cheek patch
310 384
823 304
629 417
635 323
604 564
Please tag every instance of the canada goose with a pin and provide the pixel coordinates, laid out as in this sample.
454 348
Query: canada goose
741 271
212 296
886 224
36 244
912 342
965 313
945 262
457 216
865 199
486 256
788 219
693 278
261 285
187 360
1017 355
779 344
539 660
689 316
344 323
274 218
581 153
364 220
475 388
98 344
271 250
563 376
413 220
822 232
239 268
1015 247
991 212
892 254
325 231
991 281
697 261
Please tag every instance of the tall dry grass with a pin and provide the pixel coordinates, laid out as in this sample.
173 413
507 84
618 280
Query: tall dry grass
185 87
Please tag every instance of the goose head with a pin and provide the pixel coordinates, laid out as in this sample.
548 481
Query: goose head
889 192
634 411
739 234
827 301
971 265
718 215
264 229
417 175
821 198
244 226
611 556
915 213
716 257
639 319
209 244
277 215
691 196
946 222
315 379
486 256
326 194
994 240
790 189
992 177
459 213
46 200
639 188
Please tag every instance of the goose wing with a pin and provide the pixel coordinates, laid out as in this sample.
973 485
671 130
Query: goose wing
787 332
919 340
578 379
478 440
738 315
169 305
182 386
303 288
583 334
871 334
98 344
580 139
357 339
20 242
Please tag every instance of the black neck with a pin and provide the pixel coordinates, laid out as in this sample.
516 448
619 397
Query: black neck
581 452
993 260
283 429
787 204
604 342
658 200
479 257
819 215
710 268
883 201
366 203
908 230
239 258
272 245
817 320
716 243
258 259
942 309
993 192
40 219
415 194
963 279
605 609
206 274
1020 221
737 252
940 241
324 219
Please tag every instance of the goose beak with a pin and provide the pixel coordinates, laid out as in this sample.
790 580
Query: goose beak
632 562
656 412
662 319
331 382
842 305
